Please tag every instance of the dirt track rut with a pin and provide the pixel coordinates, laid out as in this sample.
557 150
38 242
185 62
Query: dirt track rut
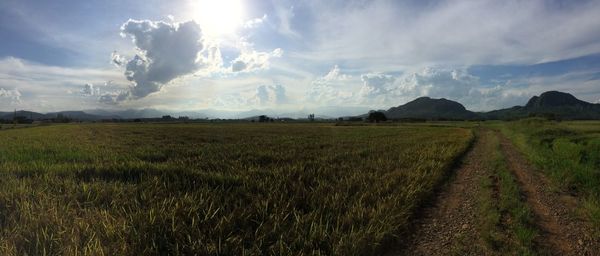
448 225
562 231
450 222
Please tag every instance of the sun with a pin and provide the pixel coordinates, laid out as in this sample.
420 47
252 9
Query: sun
218 17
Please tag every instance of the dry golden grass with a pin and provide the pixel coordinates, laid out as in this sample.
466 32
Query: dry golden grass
228 189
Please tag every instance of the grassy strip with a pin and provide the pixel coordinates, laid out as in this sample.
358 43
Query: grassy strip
568 153
506 222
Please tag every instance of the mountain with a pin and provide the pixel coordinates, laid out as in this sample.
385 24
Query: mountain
27 114
428 108
551 103
77 115
144 113
128 113
552 99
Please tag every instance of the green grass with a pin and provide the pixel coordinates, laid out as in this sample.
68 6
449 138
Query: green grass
568 152
506 222
216 189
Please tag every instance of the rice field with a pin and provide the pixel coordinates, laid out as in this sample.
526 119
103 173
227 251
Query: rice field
216 189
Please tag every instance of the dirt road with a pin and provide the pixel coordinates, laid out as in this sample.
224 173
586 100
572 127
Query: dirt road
449 225
561 230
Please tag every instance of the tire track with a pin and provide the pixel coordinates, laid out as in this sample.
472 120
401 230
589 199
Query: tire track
449 225
561 231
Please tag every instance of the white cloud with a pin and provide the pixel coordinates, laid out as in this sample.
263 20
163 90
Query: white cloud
166 51
114 98
331 89
251 60
262 96
497 97
582 84
336 75
392 35
382 90
377 87
13 95
285 14
90 90
436 82
256 22
117 59
43 88
387 90
228 101
268 95
211 60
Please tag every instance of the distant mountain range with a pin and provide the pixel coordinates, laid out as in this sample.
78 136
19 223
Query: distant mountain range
559 104
551 104
101 114
79 115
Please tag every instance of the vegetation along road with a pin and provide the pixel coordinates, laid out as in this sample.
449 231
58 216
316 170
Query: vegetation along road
497 203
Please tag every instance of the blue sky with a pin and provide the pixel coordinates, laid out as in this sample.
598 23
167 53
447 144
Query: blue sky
329 57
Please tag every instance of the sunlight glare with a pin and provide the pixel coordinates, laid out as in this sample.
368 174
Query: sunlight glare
218 17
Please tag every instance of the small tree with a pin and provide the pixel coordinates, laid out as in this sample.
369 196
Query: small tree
377 117
263 119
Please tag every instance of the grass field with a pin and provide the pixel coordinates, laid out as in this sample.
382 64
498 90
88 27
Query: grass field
228 189
569 154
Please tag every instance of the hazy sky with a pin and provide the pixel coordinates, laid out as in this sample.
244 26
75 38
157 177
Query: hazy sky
337 56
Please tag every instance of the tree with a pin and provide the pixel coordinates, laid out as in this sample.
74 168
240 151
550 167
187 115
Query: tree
377 116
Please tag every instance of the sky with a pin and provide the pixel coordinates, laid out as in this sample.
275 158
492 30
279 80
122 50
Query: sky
337 57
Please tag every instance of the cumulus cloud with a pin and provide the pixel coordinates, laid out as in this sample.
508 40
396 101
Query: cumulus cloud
90 90
330 89
268 95
12 95
336 75
251 60
455 84
117 59
376 85
113 98
260 97
436 82
253 23
211 60
166 51
384 89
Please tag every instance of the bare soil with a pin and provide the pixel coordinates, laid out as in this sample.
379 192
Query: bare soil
448 225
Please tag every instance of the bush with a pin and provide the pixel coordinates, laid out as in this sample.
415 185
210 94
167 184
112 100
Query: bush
377 117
